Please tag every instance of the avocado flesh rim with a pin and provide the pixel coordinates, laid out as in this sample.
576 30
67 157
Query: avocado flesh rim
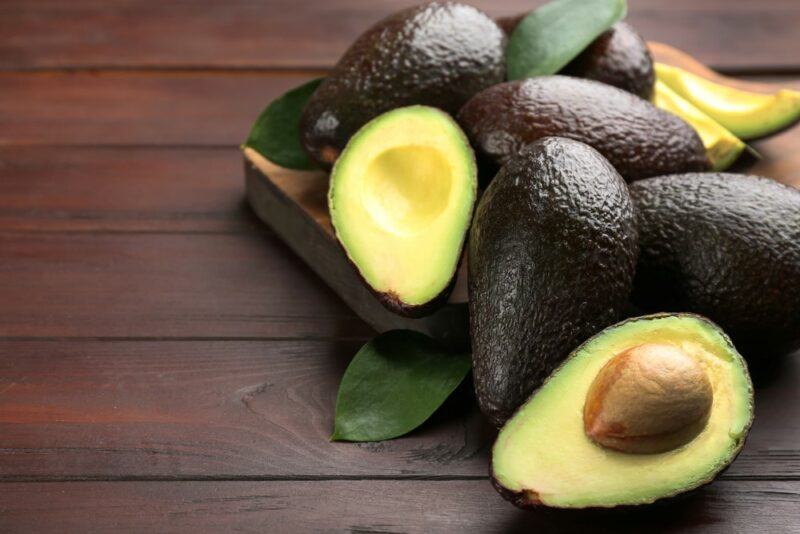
746 114
401 198
723 148
544 454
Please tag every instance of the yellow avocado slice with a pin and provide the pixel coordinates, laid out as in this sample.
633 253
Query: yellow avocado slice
543 456
401 198
746 114
723 148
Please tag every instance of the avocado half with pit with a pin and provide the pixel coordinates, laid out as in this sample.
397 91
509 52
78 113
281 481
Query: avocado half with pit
401 198
649 408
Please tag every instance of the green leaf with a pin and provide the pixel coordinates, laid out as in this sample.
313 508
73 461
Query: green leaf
276 133
552 35
394 383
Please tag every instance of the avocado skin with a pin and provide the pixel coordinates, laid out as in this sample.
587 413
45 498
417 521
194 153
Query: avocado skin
726 246
437 54
618 57
529 500
552 253
637 138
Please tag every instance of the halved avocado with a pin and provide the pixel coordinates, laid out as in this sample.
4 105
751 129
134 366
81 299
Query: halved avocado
646 409
722 147
401 198
746 114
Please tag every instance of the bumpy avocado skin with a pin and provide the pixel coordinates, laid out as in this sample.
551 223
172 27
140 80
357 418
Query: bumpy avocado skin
638 139
529 500
618 57
726 246
552 254
437 54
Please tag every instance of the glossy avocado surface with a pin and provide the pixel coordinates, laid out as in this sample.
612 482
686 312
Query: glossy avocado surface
618 57
638 139
437 54
726 246
552 253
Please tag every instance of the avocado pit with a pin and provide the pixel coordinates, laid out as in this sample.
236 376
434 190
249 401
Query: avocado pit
650 398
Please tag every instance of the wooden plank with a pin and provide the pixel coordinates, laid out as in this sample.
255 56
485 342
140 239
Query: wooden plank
245 33
372 506
228 409
114 190
122 108
164 285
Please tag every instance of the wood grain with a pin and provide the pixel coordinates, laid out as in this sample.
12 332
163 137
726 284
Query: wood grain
163 285
314 33
146 108
80 189
372 506
83 409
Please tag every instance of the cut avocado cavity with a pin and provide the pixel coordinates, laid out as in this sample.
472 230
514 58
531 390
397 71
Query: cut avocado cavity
401 197
746 114
722 147
676 386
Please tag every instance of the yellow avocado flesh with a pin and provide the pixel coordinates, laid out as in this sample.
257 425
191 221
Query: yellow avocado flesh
723 148
746 114
401 198
544 454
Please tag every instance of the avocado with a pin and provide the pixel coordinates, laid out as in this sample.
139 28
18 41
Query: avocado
437 54
726 246
723 148
552 253
746 114
618 57
649 408
638 139
401 197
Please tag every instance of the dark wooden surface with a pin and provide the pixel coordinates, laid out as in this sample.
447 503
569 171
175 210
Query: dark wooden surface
166 363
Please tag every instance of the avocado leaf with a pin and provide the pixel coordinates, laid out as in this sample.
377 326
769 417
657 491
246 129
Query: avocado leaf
276 133
552 35
394 384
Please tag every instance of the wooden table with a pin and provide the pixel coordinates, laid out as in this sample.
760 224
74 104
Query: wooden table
167 364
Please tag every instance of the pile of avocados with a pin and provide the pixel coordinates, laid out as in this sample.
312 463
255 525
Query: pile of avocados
579 197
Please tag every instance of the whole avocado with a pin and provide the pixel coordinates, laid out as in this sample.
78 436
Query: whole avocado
637 138
726 246
552 253
618 57
437 54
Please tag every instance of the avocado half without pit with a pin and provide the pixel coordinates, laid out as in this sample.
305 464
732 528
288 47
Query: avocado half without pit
649 408
401 198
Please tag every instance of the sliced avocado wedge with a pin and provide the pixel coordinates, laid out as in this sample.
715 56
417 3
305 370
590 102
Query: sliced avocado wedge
401 198
746 114
722 147
673 384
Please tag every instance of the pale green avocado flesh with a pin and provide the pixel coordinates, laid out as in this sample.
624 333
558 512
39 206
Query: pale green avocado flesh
542 455
401 198
745 114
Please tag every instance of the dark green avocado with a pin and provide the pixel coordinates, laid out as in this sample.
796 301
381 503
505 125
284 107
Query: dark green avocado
437 54
638 139
619 57
577 442
552 254
726 246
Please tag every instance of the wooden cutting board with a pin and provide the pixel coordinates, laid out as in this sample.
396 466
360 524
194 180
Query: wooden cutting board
294 205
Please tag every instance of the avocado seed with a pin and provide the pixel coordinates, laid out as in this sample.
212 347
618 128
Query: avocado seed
648 399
